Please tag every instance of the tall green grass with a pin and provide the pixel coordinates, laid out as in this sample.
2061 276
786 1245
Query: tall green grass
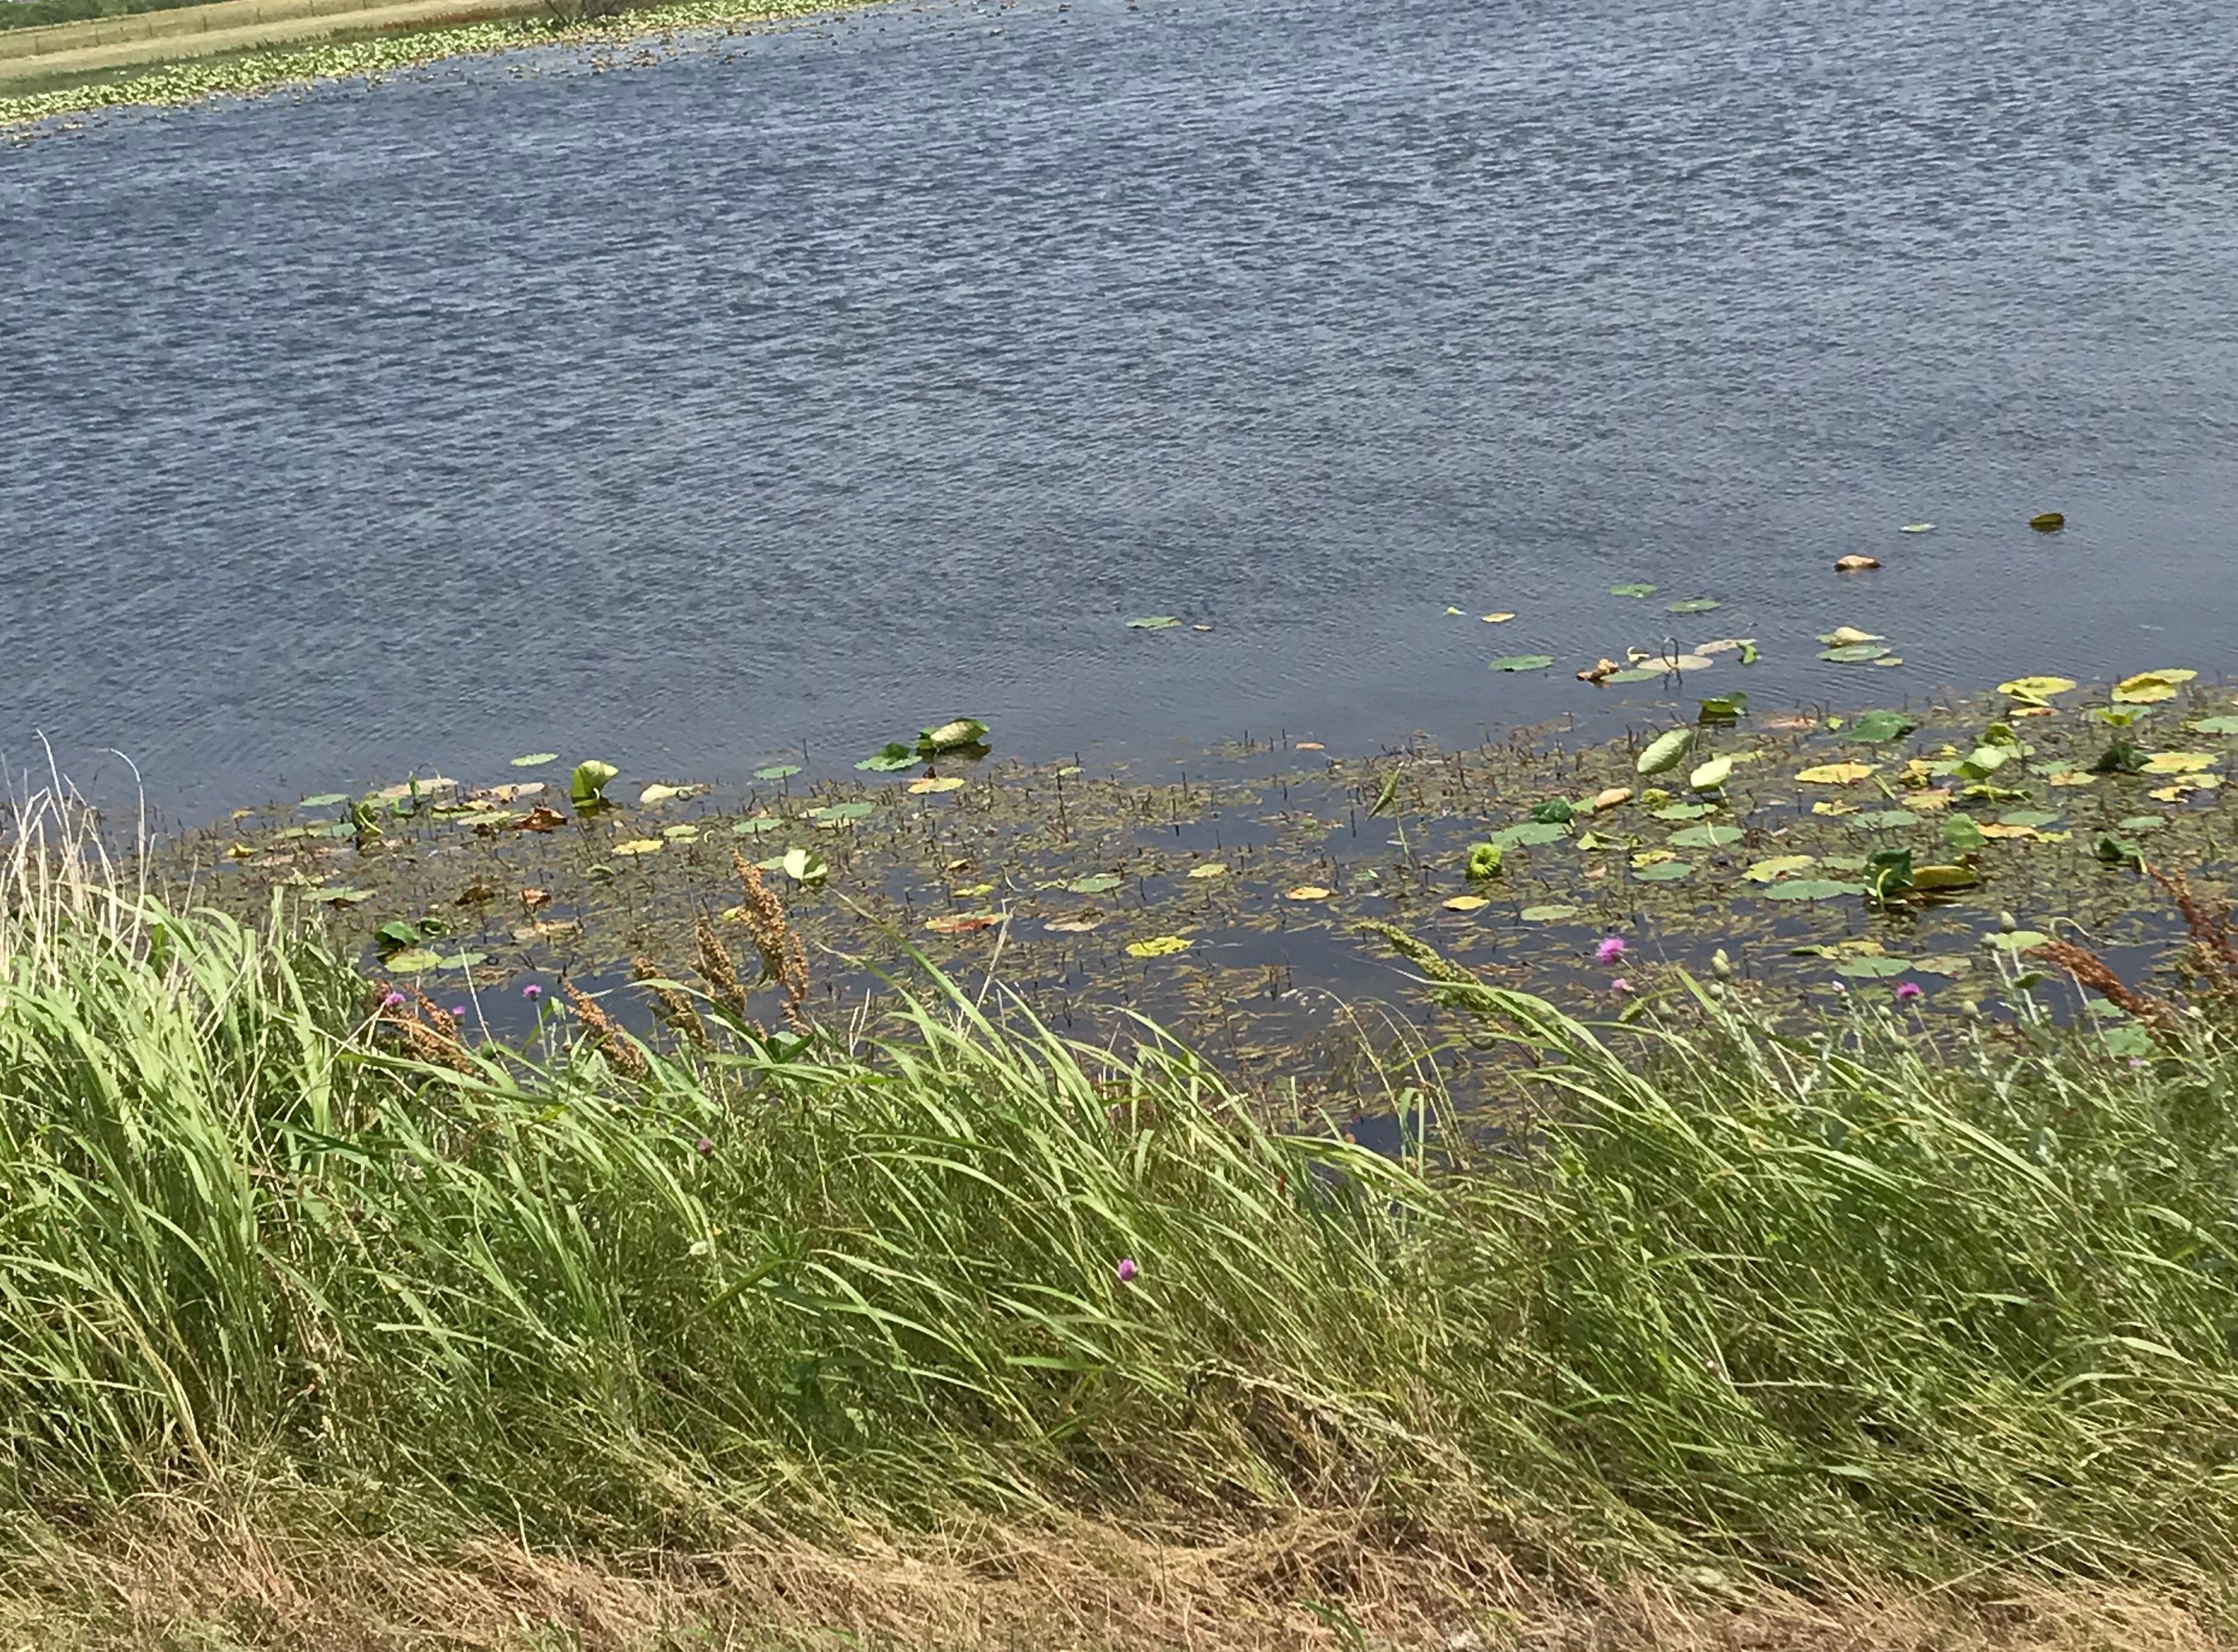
1743 1301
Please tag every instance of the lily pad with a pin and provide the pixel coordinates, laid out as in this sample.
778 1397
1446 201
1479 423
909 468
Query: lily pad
1466 904
1836 773
1102 883
1878 726
1711 775
1209 869
638 846
2204 725
1553 912
1525 833
418 961
1158 946
951 736
653 794
2151 688
1664 751
1707 837
1307 892
1854 654
1663 872
1634 674
1779 867
1523 662
1694 605
777 771
2179 762
1811 889
2028 818
756 824
1943 879
324 800
830 813
1871 967
535 759
890 758
938 786
339 897
1886 821
1632 590
2143 822
2036 688
1684 811
1154 622
803 865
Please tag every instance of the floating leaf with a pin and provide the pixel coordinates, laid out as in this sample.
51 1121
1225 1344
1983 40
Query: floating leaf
951 736
1525 833
1684 811
683 832
1871 968
2038 688
1917 527
1941 879
834 814
1073 925
536 760
2143 822
1553 912
1779 867
1686 662
2048 522
324 800
777 771
1153 622
2028 818
963 923
418 961
2150 687
2016 940
1663 872
2204 725
1694 605
1843 636
1466 904
1554 812
753 823
1811 889
339 897
1707 837
1886 821
1854 654
1711 775
933 785
1723 708
2179 762
1634 674
1309 891
1664 751
890 758
653 794
1498 619
1158 946
1523 662
1632 590
1101 883
1878 726
1837 773
1210 869
803 865
638 846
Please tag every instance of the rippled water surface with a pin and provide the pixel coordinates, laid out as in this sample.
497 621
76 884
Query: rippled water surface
808 386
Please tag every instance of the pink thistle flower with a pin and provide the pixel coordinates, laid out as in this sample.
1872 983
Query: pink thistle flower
1126 1269
532 992
1909 992
1609 951
394 1000
1621 984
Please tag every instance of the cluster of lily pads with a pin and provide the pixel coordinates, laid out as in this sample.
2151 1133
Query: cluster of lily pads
1926 847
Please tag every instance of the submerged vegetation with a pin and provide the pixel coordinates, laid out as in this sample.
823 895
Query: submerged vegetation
1733 1306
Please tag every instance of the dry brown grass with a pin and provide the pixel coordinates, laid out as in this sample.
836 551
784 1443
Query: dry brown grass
180 1576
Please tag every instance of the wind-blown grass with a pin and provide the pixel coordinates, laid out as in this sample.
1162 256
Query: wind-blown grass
1741 1306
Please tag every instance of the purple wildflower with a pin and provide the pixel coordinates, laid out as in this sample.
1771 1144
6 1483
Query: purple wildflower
1909 992
1619 984
394 1000
1126 1269
532 992
1609 951
458 1013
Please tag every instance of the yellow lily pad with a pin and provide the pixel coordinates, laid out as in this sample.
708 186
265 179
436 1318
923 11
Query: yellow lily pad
1466 904
2035 688
638 846
1158 946
2150 687
934 784
1210 869
1309 891
1779 867
2178 762
1837 773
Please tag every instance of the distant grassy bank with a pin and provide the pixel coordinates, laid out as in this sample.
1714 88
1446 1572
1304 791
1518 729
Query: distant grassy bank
243 61
318 1300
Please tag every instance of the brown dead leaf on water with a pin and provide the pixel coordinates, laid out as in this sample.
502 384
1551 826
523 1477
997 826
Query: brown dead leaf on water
1854 564
542 817
531 898
1600 672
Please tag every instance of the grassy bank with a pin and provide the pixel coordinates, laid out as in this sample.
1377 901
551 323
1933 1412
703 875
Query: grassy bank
308 1274
252 72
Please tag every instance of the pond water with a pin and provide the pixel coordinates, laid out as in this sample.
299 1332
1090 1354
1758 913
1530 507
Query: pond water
811 386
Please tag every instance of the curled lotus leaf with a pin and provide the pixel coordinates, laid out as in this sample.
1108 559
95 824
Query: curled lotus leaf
1664 751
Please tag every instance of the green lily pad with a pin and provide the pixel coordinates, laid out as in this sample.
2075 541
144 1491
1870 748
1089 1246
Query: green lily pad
2214 726
1711 775
2015 940
1524 833
1684 811
754 825
1886 821
1634 674
1878 726
1663 872
951 736
1154 622
1707 837
2143 822
1632 590
832 812
777 771
339 897
1552 913
1871 968
324 800
1854 654
1811 889
1664 751
416 961
1523 662
1694 605
2030 817
890 758
1102 883
535 759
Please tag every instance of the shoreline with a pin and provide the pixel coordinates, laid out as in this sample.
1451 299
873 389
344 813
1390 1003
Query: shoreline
185 81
